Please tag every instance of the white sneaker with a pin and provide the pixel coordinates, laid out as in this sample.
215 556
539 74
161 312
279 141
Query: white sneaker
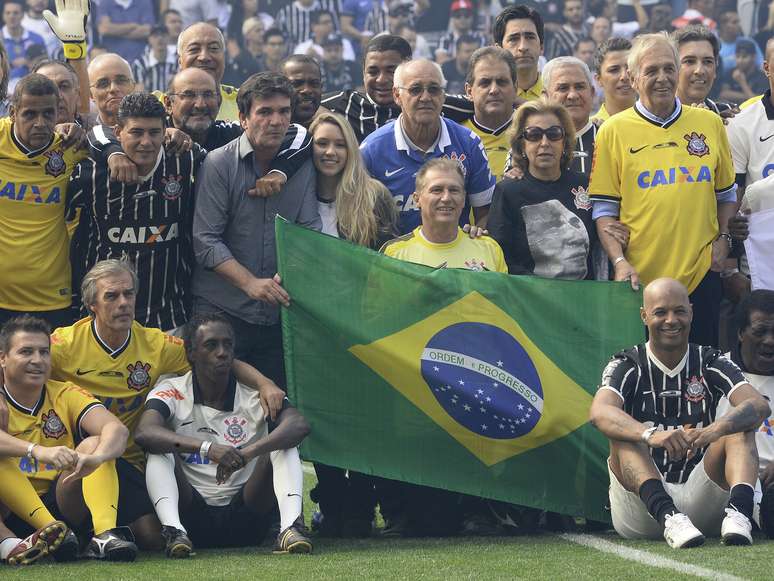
736 528
680 533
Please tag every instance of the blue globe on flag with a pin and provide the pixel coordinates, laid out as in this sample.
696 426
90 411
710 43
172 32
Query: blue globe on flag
484 379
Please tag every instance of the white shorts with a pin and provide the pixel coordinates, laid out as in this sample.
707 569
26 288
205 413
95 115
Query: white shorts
700 498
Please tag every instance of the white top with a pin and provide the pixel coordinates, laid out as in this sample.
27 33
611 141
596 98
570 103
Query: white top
348 53
41 27
238 426
751 135
330 224
764 436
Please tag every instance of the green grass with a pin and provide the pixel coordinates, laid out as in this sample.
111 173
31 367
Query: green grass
530 557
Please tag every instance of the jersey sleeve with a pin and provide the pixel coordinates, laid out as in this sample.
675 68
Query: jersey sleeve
75 198
620 376
725 175
366 151
720 373
164 399
480 183
605 182
295 151
103 142
740 146
173 359
79 402
458 108
499 264
59 353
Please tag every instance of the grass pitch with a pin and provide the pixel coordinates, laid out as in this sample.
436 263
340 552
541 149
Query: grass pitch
527 557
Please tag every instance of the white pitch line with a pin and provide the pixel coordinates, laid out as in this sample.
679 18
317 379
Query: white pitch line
646 558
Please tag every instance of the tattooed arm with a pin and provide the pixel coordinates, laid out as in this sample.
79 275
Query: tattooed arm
750 409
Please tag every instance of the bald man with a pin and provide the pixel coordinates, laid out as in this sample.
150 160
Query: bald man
202 46
110 80
676 469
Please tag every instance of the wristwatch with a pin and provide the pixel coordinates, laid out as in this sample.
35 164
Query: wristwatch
647 434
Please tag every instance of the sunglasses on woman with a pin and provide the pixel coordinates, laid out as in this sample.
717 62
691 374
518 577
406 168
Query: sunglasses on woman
554 133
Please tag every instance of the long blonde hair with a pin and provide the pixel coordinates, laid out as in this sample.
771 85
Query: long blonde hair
358 195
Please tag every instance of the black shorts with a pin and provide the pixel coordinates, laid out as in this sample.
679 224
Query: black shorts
232 525
133 499
21 528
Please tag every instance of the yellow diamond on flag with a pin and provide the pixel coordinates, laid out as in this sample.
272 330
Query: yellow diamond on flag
471 368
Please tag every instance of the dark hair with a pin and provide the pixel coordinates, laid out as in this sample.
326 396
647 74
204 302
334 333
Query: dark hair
696 33
596 7
303 59
51 62
610 45
516 12
746 46
466 39
581 40
760 300
273 32
264 85
36 85
142 105
197 322
22 324
170 11
490 52
385 42
314 17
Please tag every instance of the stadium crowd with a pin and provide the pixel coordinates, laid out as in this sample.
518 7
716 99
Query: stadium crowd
148 146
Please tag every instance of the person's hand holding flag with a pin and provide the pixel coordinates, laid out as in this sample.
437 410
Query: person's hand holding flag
69 25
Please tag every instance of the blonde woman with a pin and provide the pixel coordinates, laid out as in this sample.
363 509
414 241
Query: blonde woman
358 208
353 205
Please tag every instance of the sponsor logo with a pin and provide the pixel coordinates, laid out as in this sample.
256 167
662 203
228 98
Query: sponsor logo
697 144
673 175
235 433
207 430
139 376
79 372
22 192
55 166
53 427
143 234
459 158
173 393
762 139
637 150
665 145
388 173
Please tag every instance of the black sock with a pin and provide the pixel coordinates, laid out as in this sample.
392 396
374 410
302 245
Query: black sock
656 499
742 499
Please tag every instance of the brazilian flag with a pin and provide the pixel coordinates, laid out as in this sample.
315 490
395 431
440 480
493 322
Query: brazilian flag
476 382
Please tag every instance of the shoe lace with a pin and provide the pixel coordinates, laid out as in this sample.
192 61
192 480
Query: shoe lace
737 517
677 519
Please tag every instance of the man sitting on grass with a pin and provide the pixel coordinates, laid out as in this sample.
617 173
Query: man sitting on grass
673 462
213 462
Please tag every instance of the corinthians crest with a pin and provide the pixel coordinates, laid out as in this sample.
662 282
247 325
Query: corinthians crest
53 427
55 166
697 144
172 187
139 376
235 433
694 391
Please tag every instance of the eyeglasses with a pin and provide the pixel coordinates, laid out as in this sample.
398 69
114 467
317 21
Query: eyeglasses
554 133
193 95
417 90
120 82
401 11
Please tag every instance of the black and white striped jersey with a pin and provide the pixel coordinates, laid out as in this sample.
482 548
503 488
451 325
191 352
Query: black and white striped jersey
295 20
363 114
148 223
584 149
684 397
152 73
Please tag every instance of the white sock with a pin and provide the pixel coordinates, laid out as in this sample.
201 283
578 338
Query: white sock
288 484
162 489
7 545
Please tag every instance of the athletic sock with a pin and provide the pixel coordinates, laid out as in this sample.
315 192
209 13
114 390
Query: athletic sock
162 489
288 484
657 501
100 493
7 545
741 499
20 497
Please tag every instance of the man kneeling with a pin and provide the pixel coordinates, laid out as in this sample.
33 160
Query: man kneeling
674 466
212 461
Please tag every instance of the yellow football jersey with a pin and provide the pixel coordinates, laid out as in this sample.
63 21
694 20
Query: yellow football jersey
54 421
120 379
750 101
228 105
34 243
496 145
666 177
602 114
463 252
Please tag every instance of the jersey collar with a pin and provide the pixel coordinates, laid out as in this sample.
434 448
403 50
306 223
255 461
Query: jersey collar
402 141
107 347
228 403
664 369
485 129
656 120
25 410
582 132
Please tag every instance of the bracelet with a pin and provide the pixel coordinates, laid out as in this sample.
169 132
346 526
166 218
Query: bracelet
204 451
647 434
74 51
30 448
728 238
729 273
617 260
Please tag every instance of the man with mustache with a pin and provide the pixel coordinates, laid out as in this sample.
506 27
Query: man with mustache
306 78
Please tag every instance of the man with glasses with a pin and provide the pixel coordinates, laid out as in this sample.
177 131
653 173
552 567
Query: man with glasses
394 153
110 80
